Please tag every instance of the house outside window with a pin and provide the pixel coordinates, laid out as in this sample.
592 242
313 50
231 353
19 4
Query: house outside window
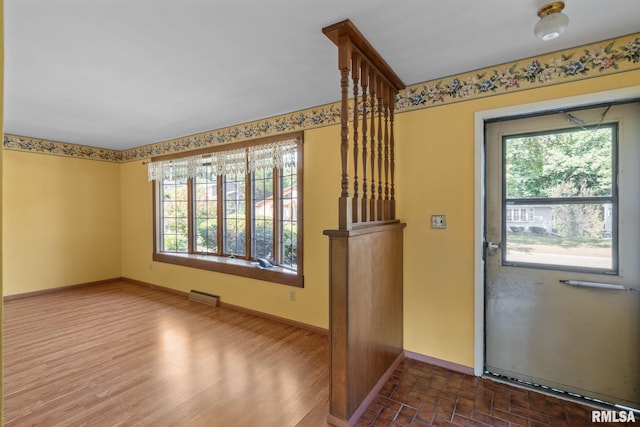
235 210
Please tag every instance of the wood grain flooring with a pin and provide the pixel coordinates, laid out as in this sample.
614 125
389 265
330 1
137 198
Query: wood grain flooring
123 355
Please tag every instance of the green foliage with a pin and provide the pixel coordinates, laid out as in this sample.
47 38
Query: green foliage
234 236
207 236
537 164
263 238
569 163
175 242
290 244
174 217
523 242
288 177
577 220
206 222
262 184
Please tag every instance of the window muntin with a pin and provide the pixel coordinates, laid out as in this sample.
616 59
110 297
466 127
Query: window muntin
234 217
560 199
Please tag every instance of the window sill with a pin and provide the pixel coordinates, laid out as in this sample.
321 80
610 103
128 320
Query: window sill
237 267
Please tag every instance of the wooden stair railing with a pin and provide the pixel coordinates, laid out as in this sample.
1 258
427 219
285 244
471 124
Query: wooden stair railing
375 86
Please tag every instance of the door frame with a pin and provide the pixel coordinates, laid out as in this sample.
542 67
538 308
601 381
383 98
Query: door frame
479 193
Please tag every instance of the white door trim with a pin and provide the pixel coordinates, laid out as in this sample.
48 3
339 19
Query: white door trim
479 176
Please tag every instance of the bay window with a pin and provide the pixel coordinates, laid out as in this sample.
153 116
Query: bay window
235 209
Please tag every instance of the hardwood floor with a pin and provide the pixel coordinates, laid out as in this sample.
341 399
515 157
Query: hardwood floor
123 355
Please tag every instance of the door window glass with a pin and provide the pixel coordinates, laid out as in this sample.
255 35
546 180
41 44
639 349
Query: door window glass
560 199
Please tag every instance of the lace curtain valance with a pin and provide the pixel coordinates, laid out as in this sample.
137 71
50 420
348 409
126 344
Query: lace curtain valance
267 156
176 169
279 155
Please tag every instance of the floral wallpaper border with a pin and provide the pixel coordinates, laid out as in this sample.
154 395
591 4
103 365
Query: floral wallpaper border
299 120
44 146
607 57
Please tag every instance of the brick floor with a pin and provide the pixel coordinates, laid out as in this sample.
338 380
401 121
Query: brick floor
419 394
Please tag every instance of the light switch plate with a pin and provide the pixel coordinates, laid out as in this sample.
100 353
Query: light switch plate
438 221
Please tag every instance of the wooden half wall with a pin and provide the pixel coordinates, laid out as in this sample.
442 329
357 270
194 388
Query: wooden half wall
365 320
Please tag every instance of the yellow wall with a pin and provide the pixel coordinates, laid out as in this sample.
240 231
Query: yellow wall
69 221
61 221
435 175
321 191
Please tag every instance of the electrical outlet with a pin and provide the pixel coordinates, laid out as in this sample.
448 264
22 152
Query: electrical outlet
292 295
438 221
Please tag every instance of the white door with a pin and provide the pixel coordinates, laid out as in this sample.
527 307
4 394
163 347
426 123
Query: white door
562 251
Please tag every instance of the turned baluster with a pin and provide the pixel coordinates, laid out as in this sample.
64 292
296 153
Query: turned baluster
372 90
392 202
380 136
344 64
385 107
364 82
344 134
355 72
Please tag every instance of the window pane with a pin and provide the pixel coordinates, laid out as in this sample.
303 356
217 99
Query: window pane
560 169
235 215
289 217
263 210
576 235
569 163
174 211
206 213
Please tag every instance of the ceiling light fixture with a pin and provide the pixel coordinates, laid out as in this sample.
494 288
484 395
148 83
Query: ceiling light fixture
552 21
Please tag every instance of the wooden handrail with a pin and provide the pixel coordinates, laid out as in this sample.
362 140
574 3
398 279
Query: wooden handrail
347 29
375 86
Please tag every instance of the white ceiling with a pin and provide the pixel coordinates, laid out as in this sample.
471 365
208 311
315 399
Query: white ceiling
120 74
